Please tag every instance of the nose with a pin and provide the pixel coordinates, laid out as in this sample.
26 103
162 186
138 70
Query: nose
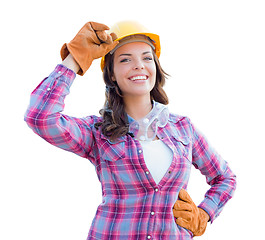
138 65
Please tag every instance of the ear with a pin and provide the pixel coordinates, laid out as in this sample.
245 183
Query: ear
113 78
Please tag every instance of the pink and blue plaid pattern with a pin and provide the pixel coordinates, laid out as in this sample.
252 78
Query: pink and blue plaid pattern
133 206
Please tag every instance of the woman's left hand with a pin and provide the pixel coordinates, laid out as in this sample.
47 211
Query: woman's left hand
188 215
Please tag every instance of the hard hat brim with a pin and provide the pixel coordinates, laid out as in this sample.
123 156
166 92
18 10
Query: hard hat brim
155 41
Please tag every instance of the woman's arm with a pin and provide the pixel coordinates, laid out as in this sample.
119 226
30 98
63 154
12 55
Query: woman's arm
70 63
217 172
44 115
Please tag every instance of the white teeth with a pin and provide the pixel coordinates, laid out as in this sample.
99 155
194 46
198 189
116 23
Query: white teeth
138 78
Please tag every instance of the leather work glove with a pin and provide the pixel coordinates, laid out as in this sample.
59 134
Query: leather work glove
90 43
188 215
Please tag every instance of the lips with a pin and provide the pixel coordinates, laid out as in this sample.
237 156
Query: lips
138 77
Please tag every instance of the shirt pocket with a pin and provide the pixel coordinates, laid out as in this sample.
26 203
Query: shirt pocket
182 144
112 151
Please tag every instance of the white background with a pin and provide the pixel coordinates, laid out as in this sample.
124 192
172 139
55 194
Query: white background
215 54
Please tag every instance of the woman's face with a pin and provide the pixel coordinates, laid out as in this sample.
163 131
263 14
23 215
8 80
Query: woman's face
135 69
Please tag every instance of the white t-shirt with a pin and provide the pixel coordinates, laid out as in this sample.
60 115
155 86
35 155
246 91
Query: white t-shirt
158 158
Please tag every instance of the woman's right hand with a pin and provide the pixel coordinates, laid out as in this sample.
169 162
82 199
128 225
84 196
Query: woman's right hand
90 43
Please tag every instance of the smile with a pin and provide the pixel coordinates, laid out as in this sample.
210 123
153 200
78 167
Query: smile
141 77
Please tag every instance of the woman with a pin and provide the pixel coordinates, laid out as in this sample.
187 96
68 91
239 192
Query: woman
142 153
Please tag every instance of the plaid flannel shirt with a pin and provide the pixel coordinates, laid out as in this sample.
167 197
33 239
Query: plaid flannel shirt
133 206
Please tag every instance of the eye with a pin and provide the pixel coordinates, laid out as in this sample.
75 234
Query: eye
148 58
124 60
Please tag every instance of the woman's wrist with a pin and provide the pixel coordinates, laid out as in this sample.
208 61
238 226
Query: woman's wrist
204 214
70 63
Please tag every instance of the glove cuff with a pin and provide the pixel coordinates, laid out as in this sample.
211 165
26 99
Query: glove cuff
203 220
66 50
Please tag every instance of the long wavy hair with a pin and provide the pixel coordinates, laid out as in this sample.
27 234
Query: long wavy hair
115 121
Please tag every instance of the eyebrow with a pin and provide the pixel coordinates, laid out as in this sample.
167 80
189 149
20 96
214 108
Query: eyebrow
129 54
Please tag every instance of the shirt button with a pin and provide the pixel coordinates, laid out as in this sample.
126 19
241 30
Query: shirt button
148 237
152 213
48 89
147 172
156 189
140 151
59 72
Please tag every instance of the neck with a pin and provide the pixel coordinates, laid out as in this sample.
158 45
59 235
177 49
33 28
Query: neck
138 107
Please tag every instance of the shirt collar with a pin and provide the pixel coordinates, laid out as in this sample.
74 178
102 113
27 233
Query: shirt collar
130 119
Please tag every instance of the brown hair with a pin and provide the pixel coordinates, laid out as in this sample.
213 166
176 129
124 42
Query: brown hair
115 121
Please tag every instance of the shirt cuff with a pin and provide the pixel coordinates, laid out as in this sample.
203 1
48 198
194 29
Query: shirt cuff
210 207
63 70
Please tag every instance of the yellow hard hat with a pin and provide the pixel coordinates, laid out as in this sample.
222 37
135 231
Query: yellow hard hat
128 28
